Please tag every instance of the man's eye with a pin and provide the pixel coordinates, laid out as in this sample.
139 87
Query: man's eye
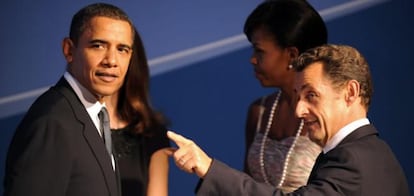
97 45
124 50
311 95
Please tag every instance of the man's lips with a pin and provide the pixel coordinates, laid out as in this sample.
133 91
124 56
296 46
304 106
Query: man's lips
309 123
106 76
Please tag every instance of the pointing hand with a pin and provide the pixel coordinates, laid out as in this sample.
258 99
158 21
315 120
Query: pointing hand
189 157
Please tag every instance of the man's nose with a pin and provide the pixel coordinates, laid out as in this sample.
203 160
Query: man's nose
111 58
300 109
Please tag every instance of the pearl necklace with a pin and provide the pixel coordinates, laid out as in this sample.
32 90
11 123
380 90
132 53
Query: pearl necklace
286 162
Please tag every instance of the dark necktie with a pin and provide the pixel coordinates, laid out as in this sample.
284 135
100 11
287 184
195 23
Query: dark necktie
106 135
105 129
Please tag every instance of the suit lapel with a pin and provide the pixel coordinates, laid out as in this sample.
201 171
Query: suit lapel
315 168
91 135
363 131
359 133
118 175
101 154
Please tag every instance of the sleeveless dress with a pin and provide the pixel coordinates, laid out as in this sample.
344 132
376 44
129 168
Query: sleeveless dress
300 164
133 153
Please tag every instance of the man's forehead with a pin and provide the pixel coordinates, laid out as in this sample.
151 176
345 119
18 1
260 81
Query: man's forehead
311 74
101 27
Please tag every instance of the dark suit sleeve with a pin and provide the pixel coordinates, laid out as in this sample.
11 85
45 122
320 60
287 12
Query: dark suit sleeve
39 158
223 180
361 164
337 173
335 176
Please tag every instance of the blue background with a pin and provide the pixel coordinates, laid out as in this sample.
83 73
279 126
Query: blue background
201 76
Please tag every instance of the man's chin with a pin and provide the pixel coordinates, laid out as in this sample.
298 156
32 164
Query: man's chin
102 95
107 90
314 137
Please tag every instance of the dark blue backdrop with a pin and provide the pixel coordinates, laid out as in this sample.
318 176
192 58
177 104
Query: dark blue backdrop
201 78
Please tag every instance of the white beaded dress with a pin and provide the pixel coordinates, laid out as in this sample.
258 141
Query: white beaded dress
300 163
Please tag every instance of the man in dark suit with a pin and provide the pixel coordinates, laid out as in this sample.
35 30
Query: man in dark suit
57 149
333 89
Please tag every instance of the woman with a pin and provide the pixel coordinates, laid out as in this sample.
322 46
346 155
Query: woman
138 132
278 150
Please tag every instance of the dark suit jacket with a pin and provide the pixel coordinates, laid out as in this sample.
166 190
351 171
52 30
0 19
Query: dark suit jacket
362 164
56 150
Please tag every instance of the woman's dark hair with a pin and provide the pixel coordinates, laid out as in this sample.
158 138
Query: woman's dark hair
293 23
133 101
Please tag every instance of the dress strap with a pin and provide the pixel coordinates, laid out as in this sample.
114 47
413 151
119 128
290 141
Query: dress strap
262 108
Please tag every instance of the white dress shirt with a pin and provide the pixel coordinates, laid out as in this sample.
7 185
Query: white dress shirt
343 132
89 101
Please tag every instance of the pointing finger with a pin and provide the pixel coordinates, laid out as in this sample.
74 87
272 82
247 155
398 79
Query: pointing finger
178 139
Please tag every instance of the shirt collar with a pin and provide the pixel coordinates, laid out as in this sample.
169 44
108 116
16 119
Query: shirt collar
89 101
343 132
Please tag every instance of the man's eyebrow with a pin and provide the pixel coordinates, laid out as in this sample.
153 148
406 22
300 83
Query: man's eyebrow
94 41
304 86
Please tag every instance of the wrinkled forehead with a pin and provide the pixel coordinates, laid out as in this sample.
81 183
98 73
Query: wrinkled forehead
298 82
309 77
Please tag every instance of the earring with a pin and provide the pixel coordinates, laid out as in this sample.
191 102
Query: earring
290 66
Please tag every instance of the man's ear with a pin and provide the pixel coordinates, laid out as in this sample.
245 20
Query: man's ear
353 91
67 46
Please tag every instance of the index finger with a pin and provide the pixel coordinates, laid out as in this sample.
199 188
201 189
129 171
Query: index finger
177 138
